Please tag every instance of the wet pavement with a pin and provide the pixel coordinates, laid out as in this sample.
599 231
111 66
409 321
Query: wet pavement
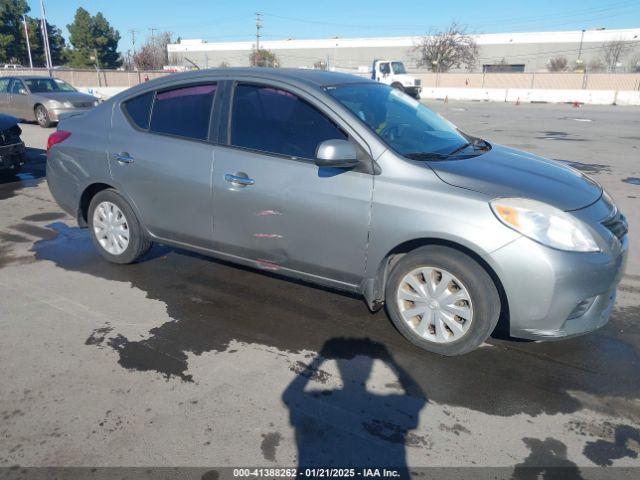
184 360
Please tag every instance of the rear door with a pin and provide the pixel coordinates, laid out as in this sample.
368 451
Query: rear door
4 95
161 159
272 204
19 102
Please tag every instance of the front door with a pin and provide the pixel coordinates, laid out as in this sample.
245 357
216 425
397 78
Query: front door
162 161
273 205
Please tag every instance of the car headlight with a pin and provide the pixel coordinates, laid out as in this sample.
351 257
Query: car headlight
544 224
96 103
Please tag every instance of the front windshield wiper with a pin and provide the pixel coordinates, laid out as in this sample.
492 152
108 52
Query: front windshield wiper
426 156
459 149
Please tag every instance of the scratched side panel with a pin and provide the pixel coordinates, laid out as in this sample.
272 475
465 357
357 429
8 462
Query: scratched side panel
295 216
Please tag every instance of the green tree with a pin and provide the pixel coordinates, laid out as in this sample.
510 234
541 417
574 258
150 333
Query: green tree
11 34
13 46
263 58
94 41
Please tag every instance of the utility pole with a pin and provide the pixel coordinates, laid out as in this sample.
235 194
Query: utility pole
133 47
26 35
153 46
45 37
258 27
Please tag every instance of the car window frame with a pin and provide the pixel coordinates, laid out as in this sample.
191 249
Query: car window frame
8 79
366 163
211 131
18 81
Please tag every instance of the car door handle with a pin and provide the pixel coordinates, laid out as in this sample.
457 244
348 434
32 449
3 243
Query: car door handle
122 158
239 179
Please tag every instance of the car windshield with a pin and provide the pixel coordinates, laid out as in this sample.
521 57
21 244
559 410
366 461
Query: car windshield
42 85
407 126
398 68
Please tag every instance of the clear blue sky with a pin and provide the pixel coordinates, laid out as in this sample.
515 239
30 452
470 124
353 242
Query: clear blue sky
227 20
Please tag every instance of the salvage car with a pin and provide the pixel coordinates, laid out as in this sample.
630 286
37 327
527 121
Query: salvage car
346 182
12 151
43 99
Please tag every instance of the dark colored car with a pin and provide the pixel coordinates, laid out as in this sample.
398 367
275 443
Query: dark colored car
12 151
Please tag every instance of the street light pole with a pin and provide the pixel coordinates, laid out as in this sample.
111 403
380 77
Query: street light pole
26 35
580 49
45 36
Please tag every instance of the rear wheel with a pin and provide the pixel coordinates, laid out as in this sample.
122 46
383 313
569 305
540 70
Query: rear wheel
115 230
42 116
442 300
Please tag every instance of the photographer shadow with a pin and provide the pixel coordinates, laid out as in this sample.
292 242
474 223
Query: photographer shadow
351 426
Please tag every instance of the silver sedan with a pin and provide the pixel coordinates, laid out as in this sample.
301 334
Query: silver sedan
44 99
351 184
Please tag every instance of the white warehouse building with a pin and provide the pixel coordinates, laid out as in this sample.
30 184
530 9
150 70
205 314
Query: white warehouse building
515 52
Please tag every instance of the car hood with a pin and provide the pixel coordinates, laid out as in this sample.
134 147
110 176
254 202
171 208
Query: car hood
507 172
7 121
67 96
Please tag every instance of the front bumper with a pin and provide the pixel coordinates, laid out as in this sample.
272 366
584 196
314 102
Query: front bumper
55 114
413 90
12 157
545 287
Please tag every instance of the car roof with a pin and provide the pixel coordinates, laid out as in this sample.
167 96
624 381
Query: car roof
312 77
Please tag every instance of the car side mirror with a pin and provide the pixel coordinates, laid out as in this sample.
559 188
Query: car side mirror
336 153
22 91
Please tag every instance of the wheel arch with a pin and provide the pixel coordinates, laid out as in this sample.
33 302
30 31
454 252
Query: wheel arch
85 200
375 294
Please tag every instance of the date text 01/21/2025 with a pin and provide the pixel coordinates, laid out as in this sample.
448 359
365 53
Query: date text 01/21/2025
316 472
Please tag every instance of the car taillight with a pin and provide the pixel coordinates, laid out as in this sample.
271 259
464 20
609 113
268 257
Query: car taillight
58 136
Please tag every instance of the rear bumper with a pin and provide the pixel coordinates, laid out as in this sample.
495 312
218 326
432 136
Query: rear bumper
12 157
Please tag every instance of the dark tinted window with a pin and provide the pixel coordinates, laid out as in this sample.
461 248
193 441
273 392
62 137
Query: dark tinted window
277 121
4 85
15 86
138 109
183 111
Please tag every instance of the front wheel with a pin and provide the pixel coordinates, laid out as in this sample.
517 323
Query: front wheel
397 86
115 230
42 117
442 300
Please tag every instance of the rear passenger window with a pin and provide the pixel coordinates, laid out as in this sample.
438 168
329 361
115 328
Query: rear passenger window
277 121
184 112
138 109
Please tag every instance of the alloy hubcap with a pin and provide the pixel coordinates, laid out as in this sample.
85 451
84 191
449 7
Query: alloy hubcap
435 304
111 228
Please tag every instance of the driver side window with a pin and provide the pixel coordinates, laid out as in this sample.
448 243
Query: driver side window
276 121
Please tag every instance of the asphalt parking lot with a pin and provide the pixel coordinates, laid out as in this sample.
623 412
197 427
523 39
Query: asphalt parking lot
184 360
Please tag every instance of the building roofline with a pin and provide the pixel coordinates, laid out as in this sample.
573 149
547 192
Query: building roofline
573 36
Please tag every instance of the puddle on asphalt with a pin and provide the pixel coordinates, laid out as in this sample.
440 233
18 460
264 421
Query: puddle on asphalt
212 303
586 167
632 180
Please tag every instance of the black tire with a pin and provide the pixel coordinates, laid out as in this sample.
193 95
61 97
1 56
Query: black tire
480 286
42 116
397 86
138 245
